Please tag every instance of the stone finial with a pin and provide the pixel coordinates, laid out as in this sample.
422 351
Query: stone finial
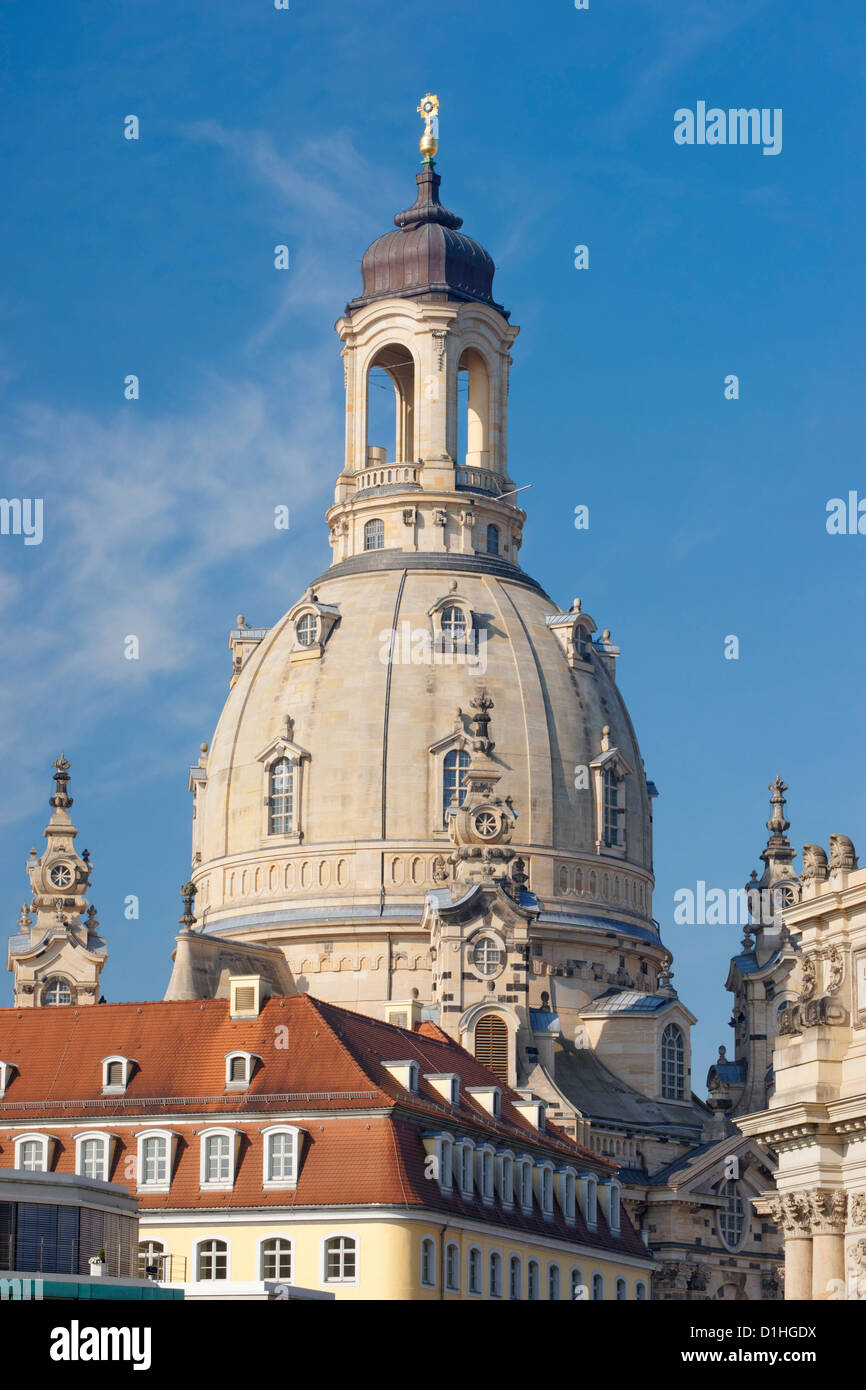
91 920
842 854
722 1058
482 703
241 621
605 636
605 739
61 800
777 824
24 918
575 605
187 893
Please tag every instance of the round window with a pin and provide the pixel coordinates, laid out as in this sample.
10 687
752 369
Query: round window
61 875
486 824
486 956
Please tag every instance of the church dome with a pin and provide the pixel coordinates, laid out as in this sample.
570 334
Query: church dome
428 256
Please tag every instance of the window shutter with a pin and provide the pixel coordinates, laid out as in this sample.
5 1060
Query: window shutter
491 1046
245 998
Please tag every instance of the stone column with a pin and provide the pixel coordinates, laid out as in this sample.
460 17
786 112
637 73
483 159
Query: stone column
792 1213
828 1210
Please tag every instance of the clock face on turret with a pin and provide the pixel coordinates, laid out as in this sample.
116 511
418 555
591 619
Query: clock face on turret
61 876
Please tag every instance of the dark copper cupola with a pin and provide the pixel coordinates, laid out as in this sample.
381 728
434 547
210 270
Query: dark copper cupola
428 257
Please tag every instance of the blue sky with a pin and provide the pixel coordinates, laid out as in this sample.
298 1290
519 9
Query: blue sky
707 516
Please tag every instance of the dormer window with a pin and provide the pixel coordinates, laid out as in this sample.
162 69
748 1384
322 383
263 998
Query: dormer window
440 1148
218 1156
374 534
156 1149
568 1193
93 1153
524 1180
610 807
493 540
488 1097
454 765
545 1187
484 1158
610 772
447 1083
7 1070
673 1063
281 1159
281 789
589 1198
453 624
505 1173
466 1167
239 1069
611 1191
116 1072
405 1074
307 629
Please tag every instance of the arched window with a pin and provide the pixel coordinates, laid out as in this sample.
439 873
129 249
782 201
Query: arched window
153 1162
590 1199
491 1045
582 642
213 1260
281 797
391 404
454 766
473 427
495 1275
597 1286
621 1290
306 629
640 1291
453 624
533 1281
428 1263
553 1283
151 1256
93 1159
57 991
673 1063
31 1156
492 540
374 534
610 807
515 1277
276 1258
578 1288
475 1270
452 1267
732 1216
341 1260
486 955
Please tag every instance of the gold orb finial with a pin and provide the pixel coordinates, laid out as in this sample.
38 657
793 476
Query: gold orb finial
428 108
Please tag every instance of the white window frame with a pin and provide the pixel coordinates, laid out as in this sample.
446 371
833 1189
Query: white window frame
544 1186
250 1060
47 1142
7 1071
568 1193
452 1277
589 1199
640 1291
491 1256
515 1260
620 1285
171 1149
260 1257
597 1275
576 1270
505 1176
525 1182
611 1190
217 1132
428 1246
554 1276
196 1257
107 1141
284 1184
485 1173
323 1263
465 1154
470 1289
532 1264
128 1063
440 1144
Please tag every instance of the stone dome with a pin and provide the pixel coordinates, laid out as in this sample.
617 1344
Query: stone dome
369 737
428 256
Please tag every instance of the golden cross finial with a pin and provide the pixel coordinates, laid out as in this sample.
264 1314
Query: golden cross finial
429 142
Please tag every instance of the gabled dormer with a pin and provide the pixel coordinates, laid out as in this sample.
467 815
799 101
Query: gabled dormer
573 630
283 763
609 772
313 623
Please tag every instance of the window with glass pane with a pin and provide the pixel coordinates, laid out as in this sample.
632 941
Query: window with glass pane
374 535
553 1282
306 629
154 1160
281 1157
466 1183
150 1253
577 1285
495 1276
216 1165
546 1189
532 1281
428 1266
93 1159
280 801
453 624
454 766
486 956
57 991
340 1259
620 1290
493 540
452 1268
673 1063
732 1216
474 1270
213 1260
514 1277
581 642
276 1258
597 1286
32 1156
611 807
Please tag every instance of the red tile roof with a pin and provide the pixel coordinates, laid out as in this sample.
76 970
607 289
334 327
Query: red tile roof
320 1064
